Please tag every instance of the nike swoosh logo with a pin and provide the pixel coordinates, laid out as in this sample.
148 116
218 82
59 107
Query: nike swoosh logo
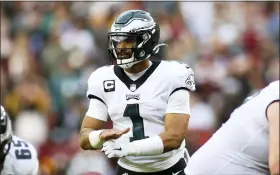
176 173
119 149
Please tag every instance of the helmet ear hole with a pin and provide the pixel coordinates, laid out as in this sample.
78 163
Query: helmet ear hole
142 53
145 36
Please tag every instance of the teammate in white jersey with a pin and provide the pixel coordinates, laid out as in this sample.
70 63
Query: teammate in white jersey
17 156
147 101
248 143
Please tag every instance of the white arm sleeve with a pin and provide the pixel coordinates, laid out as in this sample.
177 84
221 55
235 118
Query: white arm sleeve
97 110
179 102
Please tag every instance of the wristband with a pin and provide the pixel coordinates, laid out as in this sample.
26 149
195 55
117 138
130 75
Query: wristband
147 147
94 139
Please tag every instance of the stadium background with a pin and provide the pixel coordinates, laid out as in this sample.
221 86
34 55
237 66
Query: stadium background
49 49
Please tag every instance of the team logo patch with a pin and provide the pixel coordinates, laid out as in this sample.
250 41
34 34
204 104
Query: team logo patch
133 96
190 80
132 87
109 85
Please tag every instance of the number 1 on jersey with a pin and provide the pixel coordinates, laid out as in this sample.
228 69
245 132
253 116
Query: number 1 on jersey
132 111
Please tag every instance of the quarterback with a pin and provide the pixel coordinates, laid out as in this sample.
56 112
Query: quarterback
147 101
17 156
248 143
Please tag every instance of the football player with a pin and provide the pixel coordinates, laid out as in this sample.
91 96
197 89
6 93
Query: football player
147 101
17 156
248 143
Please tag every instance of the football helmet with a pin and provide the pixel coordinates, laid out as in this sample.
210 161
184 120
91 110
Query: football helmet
133 37
5 135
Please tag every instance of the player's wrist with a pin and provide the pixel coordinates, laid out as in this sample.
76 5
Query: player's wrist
94 139
147 147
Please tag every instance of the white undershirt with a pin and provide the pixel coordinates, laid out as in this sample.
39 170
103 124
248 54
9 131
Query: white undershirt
178 102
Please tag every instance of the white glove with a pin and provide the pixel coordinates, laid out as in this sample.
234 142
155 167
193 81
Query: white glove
146 147
112 148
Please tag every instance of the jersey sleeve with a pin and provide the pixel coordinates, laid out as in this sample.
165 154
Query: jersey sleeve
182 79
95 87
97 110
179 102
35 169
272 95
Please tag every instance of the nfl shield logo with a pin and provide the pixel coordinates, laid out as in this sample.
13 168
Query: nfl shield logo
132 87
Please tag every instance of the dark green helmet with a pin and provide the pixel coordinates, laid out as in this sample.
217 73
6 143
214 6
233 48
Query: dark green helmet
134 37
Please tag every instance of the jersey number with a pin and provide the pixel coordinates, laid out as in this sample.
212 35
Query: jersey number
132 111
22 151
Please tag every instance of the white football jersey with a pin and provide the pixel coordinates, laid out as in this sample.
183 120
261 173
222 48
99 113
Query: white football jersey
141 106
241 145
22 159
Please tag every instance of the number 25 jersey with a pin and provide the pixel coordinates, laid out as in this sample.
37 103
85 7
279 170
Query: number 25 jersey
141 106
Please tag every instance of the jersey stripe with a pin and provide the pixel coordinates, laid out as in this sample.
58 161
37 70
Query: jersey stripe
90 96
180 88
269 105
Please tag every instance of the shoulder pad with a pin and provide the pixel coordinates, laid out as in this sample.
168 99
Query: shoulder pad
95 82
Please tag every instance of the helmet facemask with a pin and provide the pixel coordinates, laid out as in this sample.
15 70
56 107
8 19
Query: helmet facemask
127 49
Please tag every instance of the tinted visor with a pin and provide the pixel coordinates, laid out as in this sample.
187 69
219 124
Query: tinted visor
122 46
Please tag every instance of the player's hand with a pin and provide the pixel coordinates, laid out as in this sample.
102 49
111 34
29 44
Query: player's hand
112 148
109 134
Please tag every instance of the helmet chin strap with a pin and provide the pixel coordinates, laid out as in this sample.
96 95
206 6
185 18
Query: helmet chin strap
128 65
130 62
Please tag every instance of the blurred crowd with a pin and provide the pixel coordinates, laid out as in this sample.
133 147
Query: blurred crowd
49 49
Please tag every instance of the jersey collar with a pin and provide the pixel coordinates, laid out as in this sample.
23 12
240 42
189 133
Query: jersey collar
128 82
